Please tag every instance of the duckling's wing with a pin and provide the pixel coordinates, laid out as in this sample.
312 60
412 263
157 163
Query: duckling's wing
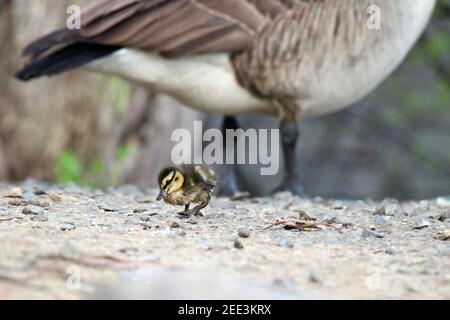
200 175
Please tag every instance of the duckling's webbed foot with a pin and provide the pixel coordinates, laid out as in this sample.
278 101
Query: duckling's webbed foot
194 211
290 134
186 213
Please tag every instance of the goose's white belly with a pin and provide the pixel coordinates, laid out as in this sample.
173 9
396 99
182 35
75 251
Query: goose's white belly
204 82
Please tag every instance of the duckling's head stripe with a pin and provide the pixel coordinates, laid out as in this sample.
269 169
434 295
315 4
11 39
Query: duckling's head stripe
166 176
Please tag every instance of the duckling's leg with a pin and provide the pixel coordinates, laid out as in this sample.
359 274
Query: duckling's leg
186 213
290 134
228 185
194 211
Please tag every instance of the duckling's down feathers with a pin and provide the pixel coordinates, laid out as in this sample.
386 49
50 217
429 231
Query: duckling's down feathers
199 176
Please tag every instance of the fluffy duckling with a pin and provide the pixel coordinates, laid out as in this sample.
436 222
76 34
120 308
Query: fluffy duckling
186 185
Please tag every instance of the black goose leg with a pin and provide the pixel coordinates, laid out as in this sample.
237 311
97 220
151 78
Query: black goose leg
290 134
228 184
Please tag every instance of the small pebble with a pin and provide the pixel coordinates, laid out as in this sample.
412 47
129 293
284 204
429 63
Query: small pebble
34 210
68 226
208 245
243 232
367 234
238 244
181 232
421 223
108 208
39 218
379 220
390 209
13 193
333 220
55 197
129 251
443 202
174 224
443 236
314 278
390 251
444 215
285 243
29 196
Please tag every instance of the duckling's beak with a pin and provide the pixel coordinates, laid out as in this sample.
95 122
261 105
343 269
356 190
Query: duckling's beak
161 195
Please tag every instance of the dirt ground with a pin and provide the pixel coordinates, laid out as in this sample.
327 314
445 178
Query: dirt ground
73 243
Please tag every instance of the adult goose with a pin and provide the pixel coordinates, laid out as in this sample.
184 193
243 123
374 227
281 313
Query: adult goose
286 58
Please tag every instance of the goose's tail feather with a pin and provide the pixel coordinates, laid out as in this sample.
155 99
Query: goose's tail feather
68 58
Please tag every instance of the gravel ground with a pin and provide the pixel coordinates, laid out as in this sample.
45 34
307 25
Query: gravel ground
72 243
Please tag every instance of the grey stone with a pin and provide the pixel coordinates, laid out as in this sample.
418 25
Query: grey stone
314 278
181 232
421 222
379 220
368 234
40 218
29 196
108 207
238 244
208 245
388 209
285 242
67 226
444 215
243 232
333 220
390 251
33 210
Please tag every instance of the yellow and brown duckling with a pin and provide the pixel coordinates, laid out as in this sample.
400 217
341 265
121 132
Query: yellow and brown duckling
189 184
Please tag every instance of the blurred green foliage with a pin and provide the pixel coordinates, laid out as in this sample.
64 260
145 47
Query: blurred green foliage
71 169
121 91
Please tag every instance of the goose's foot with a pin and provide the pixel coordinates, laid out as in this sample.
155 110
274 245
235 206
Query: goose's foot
228 185
290 134
293 185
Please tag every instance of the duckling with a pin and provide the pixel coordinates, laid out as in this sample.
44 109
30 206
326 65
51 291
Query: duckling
186 185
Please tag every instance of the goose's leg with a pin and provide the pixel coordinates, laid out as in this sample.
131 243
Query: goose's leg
290 134
228 184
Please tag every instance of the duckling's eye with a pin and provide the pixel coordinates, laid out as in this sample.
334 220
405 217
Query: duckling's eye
176 179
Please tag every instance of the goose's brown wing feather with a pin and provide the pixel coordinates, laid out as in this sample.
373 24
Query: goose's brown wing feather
171 27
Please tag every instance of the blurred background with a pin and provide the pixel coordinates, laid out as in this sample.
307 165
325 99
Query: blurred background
98 131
